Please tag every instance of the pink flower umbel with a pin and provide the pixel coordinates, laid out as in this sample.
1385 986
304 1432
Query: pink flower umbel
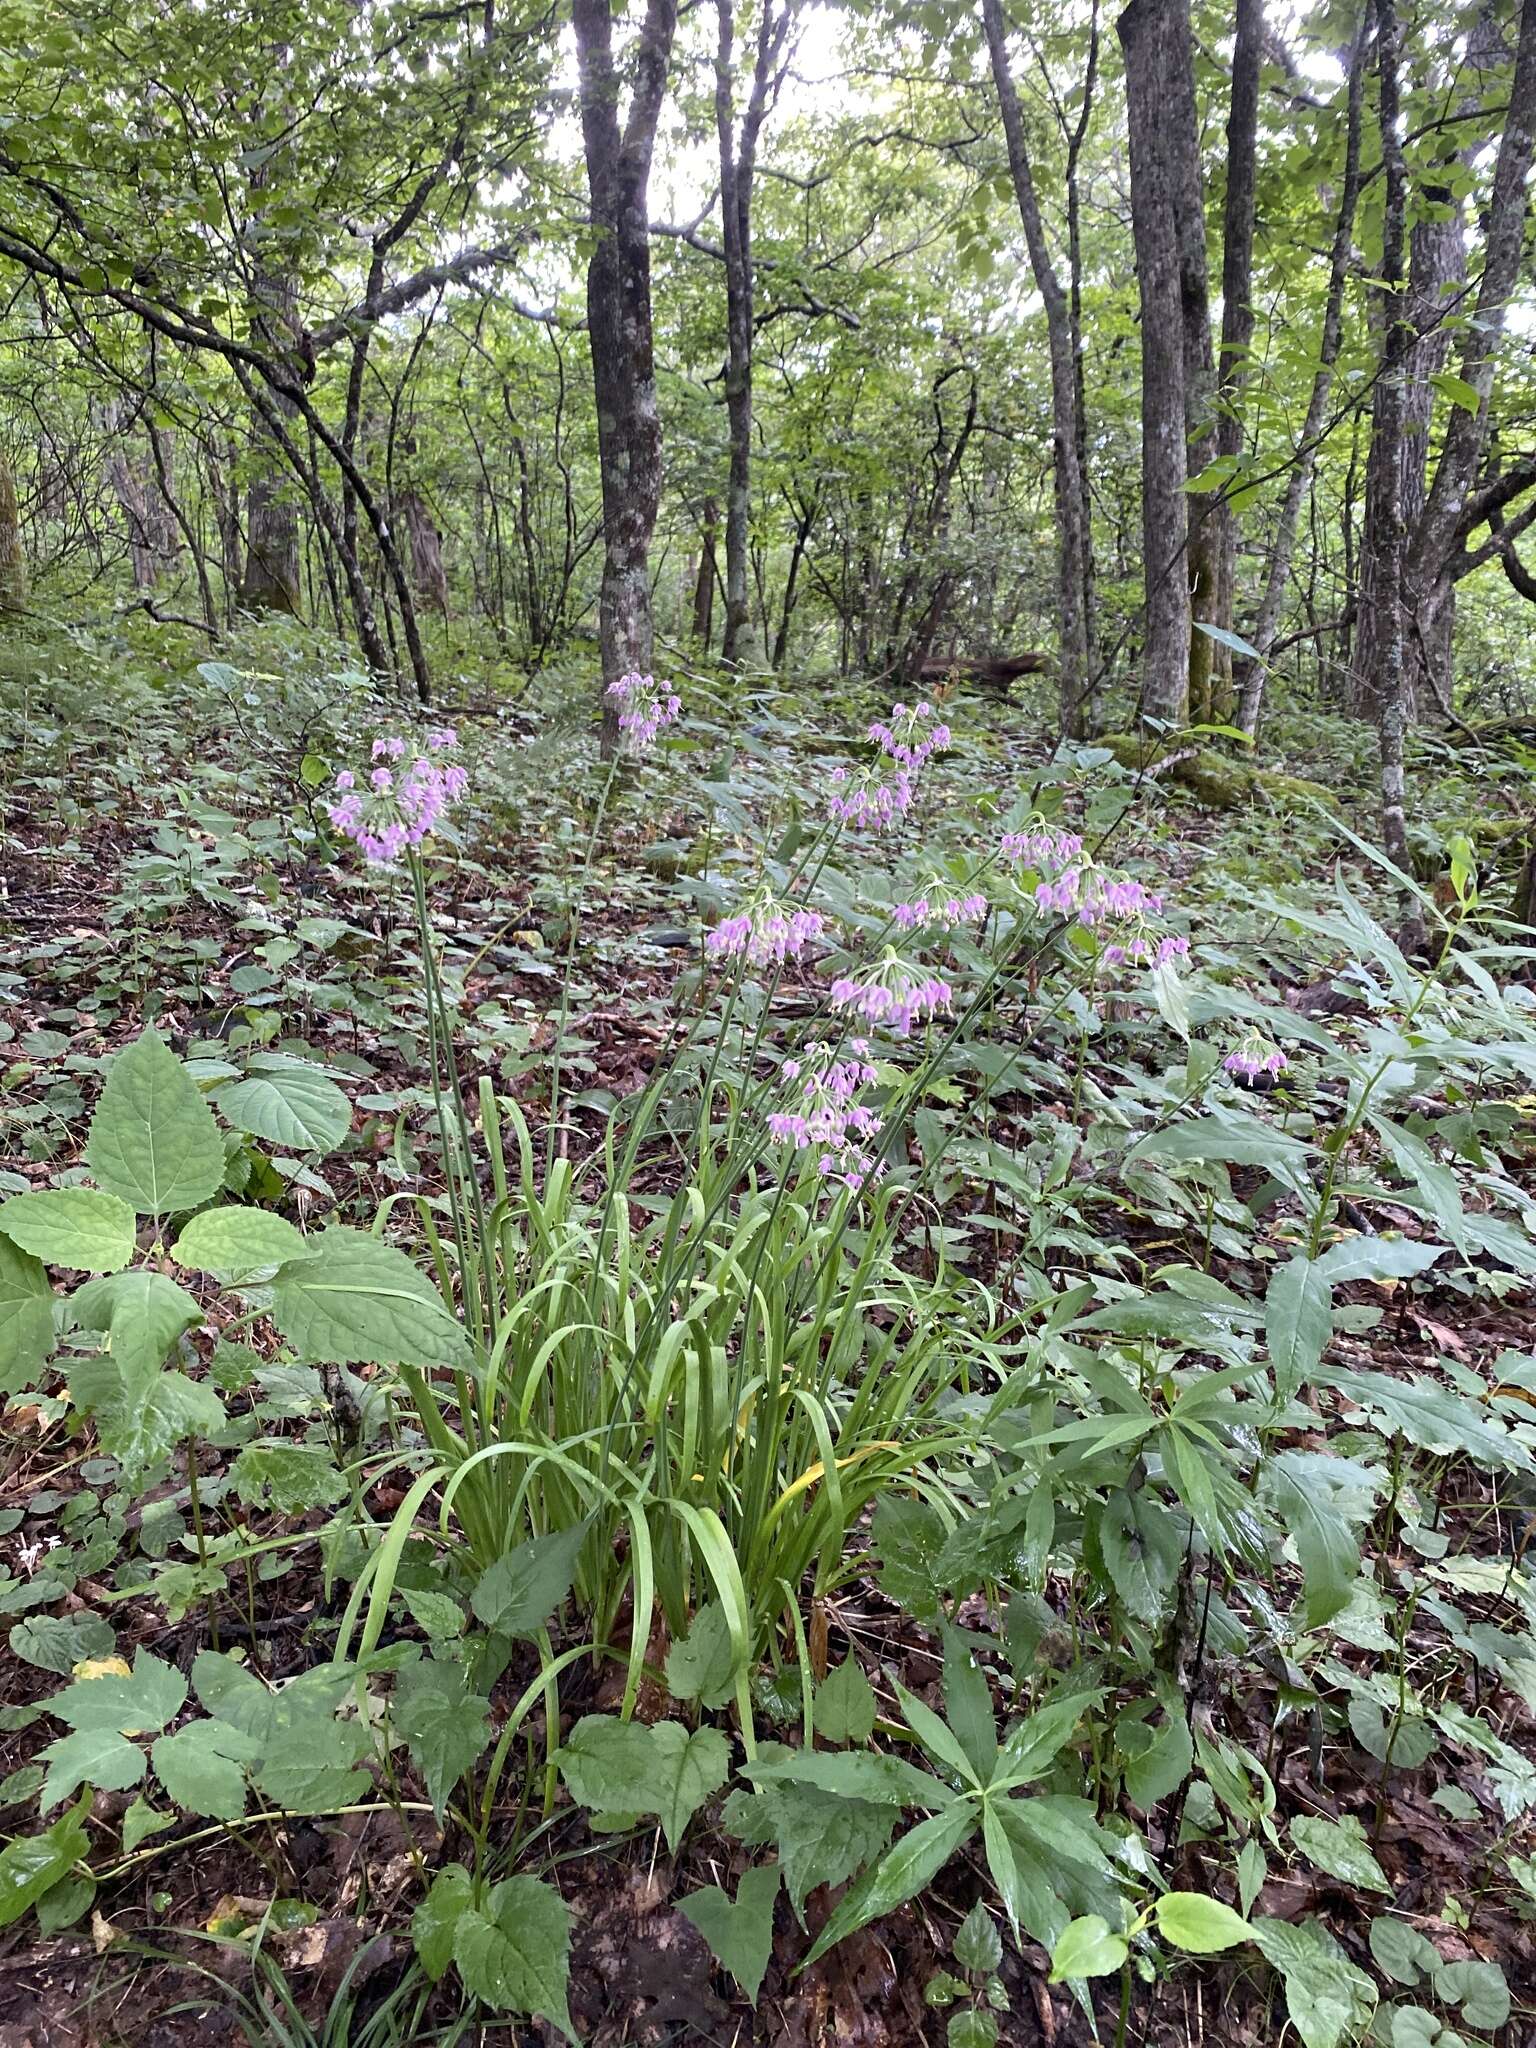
1121 912
893 993
402 806
940 905
1042 846
1257 1057
765 930
862 796
645 706
824 1113
910 736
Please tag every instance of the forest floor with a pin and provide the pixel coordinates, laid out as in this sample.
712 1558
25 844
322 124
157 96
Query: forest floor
158 874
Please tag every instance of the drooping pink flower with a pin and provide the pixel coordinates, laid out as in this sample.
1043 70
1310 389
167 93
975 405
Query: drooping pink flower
645 706
1256 1056
765 930
402 807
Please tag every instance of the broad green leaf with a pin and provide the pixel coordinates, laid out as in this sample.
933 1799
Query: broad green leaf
845 1704
288 1477
234 1243
153 1141
1328 1999
1234 1141
319 1770
200 1766
444 1725
1409 1739
1430 1417
1298 1323
64 1905
941 1743
141 1822
522 1590
1200 1925
687 1769
978 1945
702 1664
1033 1743
1480 1989
607 1765
58 1644
1327 1548
1401 1951
821 1839
740 1931
144 1312
855 1774
139 1703
1140 1544
356 1301
1161 1767
33 1864
98 1757
80 1228
1340 1848
1087 1947
901 1874
1458 391
515 1952
1377 1258
291 1106
26 1318
968 1703
434 1920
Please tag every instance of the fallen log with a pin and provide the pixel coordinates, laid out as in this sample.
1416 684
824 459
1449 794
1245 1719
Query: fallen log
996 670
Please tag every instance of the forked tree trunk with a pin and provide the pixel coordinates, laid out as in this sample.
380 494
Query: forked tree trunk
619 323
1150 33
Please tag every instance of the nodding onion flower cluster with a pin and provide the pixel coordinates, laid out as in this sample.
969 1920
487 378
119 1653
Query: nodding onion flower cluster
862 796
894 993
1116 907
400 807
1042 846
939 907
827 1114
645 706
765 930
1256 1056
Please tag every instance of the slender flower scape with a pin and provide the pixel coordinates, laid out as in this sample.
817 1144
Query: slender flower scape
765 930
645 706
1255 1056
827 1115
401 807
894 994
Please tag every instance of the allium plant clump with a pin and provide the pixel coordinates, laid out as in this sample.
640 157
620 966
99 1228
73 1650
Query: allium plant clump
398 808
645 706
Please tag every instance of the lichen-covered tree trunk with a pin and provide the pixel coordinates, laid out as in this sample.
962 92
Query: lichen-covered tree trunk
619 323
13 561
1149 32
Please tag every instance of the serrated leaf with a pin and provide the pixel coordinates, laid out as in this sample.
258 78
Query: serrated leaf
26 1318
433 1922
520 1591
978 1945
290 1106
688 1768
356 1301
968 1703
1327 1548
1139 1542
820 1839
1340 1848
444 1725
739 1932
290 1478
80 1228
515 1953
98 1757
233 1243
153 1141
201 1767
845 1704
855 1774
144 1313
138 1704
606 1764
901 1874
702 1664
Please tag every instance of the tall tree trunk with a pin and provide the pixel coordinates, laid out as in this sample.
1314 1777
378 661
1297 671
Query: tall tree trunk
1151 33
13 561
738 168
1236 318
1388 680
704 585
1067 430
269 582
1249 673
619 323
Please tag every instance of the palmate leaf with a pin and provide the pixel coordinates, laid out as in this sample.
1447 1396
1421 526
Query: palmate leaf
202 1768
153 1141
356 1301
